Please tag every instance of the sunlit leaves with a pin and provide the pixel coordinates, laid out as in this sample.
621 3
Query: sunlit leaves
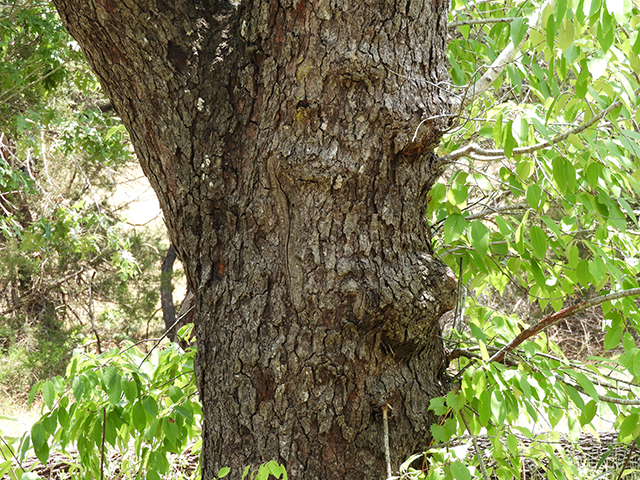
555 218
149 405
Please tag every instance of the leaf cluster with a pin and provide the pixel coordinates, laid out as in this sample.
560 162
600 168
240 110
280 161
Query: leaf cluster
541 206
66 257
143 405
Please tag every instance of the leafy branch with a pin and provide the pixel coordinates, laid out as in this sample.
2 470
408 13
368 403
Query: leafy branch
474 149
556 317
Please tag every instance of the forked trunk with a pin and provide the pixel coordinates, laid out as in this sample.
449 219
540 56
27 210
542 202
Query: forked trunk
288 145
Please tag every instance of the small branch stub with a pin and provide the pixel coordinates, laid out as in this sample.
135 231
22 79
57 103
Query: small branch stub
385 429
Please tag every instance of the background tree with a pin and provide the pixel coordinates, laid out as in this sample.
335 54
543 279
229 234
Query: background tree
71 271
291 147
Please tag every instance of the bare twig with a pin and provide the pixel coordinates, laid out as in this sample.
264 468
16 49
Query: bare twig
474 440
13 454
494 210
481 21
91 316
632 447
385 430
506 56
164 335
602 398
4 101
461 352
104 428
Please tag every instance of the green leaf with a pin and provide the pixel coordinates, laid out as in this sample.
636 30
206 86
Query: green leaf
599 271
587 385
152 475
628 428
30 476
559 10
78 387
438 406
509 141
112 384
224 471
63 418
48 394
534 196
43 453
519 28
454 226
460 471
520 130
276 470
246 472
38 435
498 407
588 412
445 432
551 32
459 190
538 241
455 401
584 275
50 422
484 408
40 445
597 67
479 236
130 389
554 228
110 433
170 429
150 405
185 412
564 174
613 336
34 391
139 416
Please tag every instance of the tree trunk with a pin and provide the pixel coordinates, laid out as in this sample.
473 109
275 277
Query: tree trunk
288 145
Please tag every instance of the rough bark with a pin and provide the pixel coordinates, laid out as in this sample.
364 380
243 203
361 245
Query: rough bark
279 137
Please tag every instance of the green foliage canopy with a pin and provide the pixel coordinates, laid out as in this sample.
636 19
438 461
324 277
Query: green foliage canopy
541 203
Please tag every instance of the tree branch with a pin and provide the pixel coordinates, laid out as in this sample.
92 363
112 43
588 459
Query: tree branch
481 21
492 211
461 352
475 149
556 317
500 63
602 398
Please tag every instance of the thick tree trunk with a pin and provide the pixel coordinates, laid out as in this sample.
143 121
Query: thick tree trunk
288 145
